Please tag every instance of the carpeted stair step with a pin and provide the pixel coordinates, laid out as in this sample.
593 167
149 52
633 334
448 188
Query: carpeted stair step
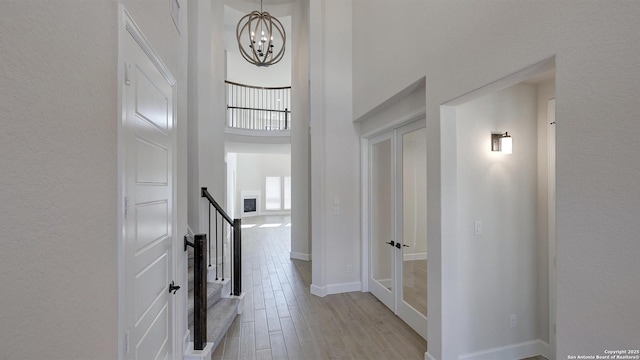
214 294
219 319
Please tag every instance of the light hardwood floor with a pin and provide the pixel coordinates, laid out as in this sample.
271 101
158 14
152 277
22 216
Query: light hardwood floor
282 320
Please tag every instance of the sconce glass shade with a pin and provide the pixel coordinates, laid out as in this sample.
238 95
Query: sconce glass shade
506 144
502 143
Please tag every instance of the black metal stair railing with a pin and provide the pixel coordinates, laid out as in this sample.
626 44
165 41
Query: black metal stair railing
216 244
199 289
258 108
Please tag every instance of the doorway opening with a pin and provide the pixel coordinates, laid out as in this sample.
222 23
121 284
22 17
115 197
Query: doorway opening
499 215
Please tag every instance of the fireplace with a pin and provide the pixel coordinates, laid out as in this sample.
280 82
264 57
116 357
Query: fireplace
250 205
250 202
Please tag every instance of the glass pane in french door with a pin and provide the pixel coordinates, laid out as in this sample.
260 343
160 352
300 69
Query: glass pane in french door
414 219
381 225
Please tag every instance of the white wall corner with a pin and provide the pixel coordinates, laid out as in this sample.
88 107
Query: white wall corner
428 356
299 256
511 352
343 288
316 290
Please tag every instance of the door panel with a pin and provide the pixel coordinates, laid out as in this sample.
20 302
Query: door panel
412 232
148 189
381 219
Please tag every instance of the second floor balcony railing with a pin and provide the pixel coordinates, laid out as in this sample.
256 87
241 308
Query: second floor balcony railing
258 108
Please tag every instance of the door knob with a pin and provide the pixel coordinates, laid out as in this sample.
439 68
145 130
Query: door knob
173 287
390 243
398 245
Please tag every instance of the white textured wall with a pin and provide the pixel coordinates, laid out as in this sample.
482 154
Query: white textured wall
463 45
335 147
59 183
497 271
207 108
300 160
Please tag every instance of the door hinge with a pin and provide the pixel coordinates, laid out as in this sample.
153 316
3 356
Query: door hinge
127 68
126 341
126 207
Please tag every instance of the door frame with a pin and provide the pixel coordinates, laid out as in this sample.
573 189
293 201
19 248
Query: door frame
127 27
552 223
364 185
365 141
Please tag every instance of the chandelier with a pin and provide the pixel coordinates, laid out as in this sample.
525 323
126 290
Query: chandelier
261 38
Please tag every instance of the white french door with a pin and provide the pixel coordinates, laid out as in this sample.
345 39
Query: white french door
397 222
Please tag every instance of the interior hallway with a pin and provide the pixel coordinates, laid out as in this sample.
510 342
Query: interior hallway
282 320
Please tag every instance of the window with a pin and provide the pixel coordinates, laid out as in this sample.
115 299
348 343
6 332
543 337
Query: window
287 192
272 193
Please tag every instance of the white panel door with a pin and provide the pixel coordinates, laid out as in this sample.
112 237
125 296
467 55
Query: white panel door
148 132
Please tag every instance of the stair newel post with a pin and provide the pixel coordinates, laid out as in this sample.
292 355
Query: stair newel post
237 257
200 291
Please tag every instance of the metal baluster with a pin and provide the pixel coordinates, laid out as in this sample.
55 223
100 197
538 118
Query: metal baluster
222 250
209 234
216 217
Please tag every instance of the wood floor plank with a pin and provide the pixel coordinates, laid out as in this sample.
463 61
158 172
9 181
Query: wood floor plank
273 319
261 330
278 347
264 354
294 351
258 297
247 341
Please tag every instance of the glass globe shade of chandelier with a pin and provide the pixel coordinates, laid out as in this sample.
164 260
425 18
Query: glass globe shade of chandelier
261 38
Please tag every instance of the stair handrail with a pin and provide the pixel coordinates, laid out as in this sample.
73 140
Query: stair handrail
215 204
236 248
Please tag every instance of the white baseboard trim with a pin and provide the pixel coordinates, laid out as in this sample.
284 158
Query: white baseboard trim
416 256
323 291
203 354
428 356
299 256
510 352
316 290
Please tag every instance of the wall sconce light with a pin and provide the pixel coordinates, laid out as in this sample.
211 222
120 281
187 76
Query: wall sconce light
502 143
